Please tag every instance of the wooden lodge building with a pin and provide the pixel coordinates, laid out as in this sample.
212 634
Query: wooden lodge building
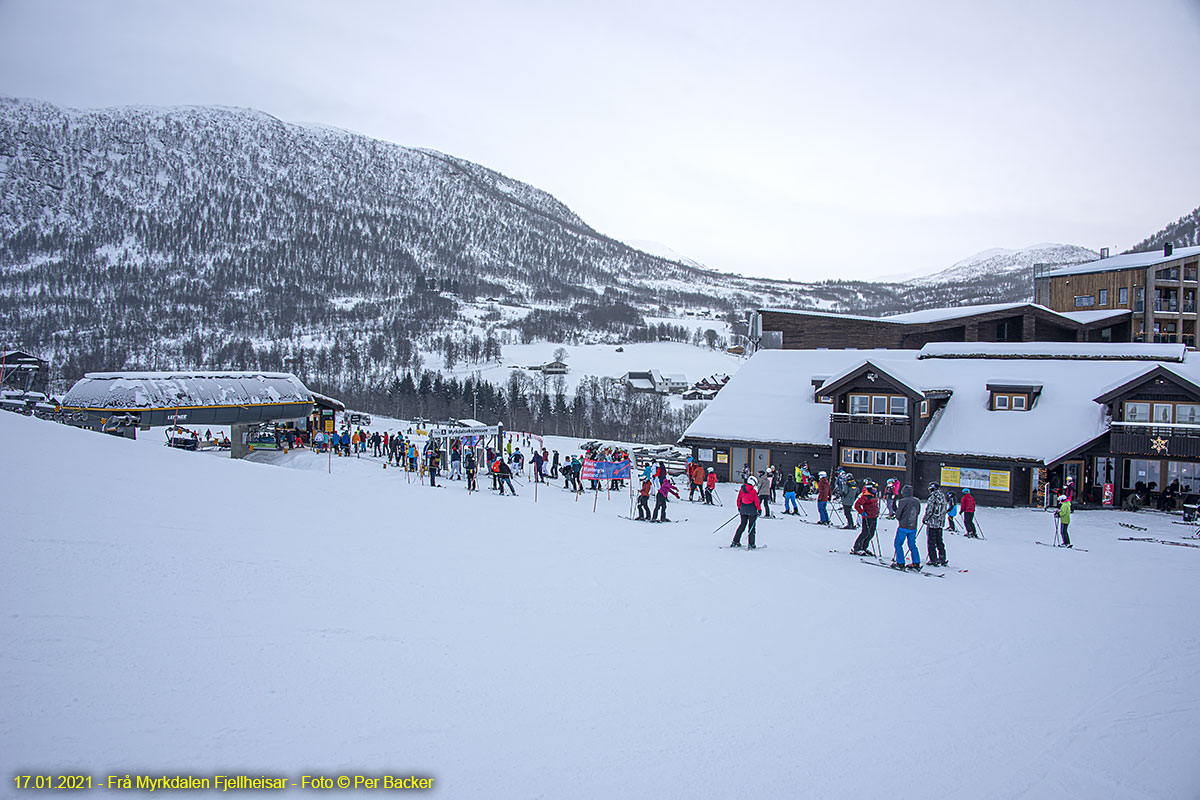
1001 322
1011 421
1159 289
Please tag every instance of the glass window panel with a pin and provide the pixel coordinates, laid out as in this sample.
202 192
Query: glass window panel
901 459
1163 413
860 404
898 405
1137 412
878 404
1018 402
1188 413
1001 401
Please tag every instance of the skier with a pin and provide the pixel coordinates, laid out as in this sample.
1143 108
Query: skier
748 508
471 468
892 494
554 466
935 520
968 512
952 507
867 506
823 495
660 500
789 496
764 493
538 460
1064 518
433 459
504 477
643 501
710 483
909 513
849 490
455 463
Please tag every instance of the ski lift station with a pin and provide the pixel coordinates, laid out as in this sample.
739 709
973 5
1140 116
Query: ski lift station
146 400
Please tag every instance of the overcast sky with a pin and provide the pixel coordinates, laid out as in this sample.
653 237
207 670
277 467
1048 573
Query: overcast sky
786 139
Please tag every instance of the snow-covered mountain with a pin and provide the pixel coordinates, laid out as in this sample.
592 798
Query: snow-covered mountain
996 262
1183 232
215 237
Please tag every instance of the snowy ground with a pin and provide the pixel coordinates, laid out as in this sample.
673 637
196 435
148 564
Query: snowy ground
166 611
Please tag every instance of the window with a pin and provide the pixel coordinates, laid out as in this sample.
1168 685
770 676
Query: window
1187 473
1143 472
1187 413
852 456
1137 412
1010 401
924 408
1104 297
879 404
1164 413
1105 472
1123 296
1085 300
885 459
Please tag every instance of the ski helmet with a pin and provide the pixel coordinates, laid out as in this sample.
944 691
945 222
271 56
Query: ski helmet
710 469
753 481
822 474
933 486
1062 498
966 491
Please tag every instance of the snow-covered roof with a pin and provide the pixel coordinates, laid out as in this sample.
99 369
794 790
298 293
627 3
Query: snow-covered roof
771 400
950 313
1127 261
955 312
644 384
1089 317
1094 351
143 390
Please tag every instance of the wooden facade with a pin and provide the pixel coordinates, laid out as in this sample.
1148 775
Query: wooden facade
1161 296
1022 323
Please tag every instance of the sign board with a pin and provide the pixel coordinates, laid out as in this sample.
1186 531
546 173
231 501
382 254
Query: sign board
981 479
722 458
478 430
329 425
1108 494
604 470
704 454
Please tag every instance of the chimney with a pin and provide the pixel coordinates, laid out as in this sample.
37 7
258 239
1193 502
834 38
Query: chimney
1104 252
1168 249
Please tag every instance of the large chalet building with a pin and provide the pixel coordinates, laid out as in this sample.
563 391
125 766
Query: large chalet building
1010 421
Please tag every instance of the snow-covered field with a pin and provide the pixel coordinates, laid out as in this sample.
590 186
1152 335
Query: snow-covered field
170 612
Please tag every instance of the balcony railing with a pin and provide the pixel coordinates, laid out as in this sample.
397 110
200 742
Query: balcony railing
1164 440
1166 305
871 428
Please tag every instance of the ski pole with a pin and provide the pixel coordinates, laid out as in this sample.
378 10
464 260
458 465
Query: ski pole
726 522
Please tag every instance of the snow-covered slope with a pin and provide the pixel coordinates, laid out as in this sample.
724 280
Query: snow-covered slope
998 261
170 612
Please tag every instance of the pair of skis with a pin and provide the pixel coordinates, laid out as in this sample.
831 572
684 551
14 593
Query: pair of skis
878 562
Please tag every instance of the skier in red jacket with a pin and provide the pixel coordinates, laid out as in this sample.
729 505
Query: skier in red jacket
748 506
967 504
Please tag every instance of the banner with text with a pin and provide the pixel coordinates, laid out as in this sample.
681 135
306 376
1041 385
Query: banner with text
604 470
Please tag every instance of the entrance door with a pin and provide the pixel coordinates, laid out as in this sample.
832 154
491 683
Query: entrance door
1073 470
738 458
762 459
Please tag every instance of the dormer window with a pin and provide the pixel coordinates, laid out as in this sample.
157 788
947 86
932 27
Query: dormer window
1012 397
879 404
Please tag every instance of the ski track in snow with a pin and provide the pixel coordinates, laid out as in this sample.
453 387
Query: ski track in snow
179 612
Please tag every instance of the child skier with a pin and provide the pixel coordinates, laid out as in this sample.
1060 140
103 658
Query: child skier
1064 518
